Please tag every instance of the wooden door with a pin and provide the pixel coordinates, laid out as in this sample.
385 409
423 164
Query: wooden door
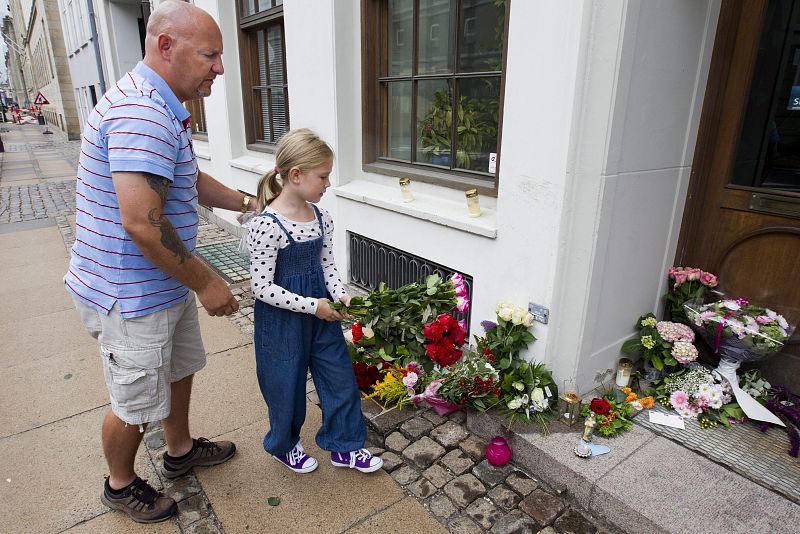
742 217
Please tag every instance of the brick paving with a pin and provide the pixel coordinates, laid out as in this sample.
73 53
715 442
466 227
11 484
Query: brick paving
435 459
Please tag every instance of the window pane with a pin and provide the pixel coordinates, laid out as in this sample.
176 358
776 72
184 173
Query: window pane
435 39
401 31
434 116
279 119
476 123
249 7
275 49
399 134
482 35
264 127
262 59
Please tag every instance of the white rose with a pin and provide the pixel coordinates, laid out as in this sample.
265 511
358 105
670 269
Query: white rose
501 305
515 404
348 336
527 322
518 315
537 395
368 332
505 313
519 386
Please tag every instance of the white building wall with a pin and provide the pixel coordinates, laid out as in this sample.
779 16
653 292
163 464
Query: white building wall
646 71
600 114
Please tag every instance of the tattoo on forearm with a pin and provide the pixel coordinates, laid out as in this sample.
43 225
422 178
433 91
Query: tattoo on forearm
169 236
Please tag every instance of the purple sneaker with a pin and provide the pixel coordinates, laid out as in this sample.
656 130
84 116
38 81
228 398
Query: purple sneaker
360 459
297 460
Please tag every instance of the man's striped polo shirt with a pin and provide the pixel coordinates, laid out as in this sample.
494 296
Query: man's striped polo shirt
138 126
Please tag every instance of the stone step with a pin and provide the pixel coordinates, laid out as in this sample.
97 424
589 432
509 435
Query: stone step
646 483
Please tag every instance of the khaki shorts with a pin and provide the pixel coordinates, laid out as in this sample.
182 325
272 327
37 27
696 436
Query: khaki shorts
143 355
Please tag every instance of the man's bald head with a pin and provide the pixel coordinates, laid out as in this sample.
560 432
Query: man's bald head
184 47
176 19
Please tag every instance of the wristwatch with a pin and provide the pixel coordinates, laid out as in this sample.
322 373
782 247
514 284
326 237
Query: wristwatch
245 203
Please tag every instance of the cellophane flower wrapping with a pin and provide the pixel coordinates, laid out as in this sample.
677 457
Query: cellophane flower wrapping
738 330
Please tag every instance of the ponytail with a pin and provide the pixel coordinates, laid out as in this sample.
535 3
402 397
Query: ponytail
269 187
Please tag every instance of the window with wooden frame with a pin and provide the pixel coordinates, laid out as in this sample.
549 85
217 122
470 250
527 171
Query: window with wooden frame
421 60
197 109
263 52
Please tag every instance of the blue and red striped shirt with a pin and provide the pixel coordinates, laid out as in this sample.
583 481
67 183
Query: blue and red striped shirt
139 125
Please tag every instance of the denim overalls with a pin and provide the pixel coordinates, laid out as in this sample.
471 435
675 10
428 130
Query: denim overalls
289 343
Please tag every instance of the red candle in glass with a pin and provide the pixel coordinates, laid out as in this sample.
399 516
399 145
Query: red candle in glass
498 453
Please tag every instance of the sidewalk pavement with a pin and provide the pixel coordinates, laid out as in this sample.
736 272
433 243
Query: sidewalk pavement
54 398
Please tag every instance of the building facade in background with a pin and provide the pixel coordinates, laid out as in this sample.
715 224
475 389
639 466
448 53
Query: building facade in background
38 34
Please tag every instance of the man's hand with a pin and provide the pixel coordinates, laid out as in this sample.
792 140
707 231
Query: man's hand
325 312
216 298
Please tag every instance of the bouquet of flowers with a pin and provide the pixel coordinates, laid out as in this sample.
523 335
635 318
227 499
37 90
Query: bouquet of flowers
612 414
395 318
690 283
473 382
529 393
697 393
738 330
663 344
504 339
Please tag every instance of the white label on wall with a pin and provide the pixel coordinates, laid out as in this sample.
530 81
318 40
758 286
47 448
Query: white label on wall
492 162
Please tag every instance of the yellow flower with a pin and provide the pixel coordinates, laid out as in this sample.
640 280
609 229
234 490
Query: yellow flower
646 402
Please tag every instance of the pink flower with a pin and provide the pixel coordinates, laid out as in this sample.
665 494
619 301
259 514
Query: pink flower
673 271
410 380
708 279
463 324
462 304
459 285
679 400
694 273
763 319
680 278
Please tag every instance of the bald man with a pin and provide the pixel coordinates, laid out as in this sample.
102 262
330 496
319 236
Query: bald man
132 274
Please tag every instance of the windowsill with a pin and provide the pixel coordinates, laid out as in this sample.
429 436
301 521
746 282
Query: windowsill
256 164
424 206
201 149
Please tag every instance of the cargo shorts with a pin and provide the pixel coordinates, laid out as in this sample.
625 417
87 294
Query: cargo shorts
142 356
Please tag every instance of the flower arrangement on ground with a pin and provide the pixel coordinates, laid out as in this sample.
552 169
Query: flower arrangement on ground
612 413
688 283
473 382
529 394
662 344
697 393
738 331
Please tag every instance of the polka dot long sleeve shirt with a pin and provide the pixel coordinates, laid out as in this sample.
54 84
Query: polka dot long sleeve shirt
265 239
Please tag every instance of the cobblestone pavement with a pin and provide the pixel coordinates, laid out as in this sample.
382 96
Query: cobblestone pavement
434 459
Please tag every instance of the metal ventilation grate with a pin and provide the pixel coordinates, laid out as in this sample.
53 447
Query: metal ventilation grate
372 262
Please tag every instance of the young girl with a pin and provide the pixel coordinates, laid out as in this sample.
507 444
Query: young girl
293 277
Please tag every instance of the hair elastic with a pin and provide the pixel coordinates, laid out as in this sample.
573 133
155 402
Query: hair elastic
275 170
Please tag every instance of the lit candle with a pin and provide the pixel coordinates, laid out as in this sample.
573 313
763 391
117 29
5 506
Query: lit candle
473 204
624 372
405 190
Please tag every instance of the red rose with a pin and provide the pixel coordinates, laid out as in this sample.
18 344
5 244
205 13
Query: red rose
600 406
433 331
357 331
366 376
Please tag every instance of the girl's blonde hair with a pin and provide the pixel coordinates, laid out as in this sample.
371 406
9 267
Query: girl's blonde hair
297 148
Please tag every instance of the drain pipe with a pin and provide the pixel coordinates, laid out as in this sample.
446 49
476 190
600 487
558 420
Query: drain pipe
95 41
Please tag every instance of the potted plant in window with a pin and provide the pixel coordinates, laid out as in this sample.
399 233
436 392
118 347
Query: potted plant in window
474 128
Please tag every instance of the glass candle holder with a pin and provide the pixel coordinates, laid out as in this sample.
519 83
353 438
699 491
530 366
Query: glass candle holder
473 204
405 190
569 407
624 372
